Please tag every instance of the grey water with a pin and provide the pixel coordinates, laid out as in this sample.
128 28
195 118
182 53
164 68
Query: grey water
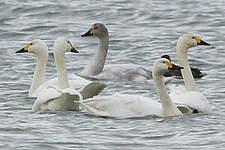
140 32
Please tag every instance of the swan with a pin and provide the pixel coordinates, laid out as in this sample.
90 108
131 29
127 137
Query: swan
189 96
129 106
94 69
38 47
59 96
129 72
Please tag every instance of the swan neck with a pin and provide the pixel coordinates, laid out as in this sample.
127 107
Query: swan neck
186 72
162 91
61 70
97 64
39 73
168 107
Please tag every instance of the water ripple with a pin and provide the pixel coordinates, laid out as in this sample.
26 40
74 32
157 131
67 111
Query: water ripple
140 32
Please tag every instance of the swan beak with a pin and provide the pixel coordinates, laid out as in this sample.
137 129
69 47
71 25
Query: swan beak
25 49
22 51
89 33
174 67
201 42
73 50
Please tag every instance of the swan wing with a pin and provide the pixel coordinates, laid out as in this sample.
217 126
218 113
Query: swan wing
92 89
193 99
75 82
45 85
87 88
122 106
128 72
51 93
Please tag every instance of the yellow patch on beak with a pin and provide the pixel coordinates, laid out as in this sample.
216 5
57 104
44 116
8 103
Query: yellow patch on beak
197 39
169 64
92 31
28 45
71 46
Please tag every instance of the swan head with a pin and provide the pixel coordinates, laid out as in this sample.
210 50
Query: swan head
190 40
37 47
98 30
62 44
164 65
167 57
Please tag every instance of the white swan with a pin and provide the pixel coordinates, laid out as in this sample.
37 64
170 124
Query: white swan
59 96
129 106
188 96
38 47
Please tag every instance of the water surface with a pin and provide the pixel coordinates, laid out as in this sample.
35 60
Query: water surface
140 32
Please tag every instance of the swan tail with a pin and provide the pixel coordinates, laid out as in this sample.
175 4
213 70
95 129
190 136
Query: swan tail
197 73
93 110
92 89
184 109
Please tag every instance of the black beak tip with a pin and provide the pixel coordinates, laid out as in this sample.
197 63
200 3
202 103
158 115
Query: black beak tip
87 34
21 51
74 50
204 43
82 35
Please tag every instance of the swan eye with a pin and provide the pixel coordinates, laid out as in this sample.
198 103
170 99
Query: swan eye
193 37
31 43
164 62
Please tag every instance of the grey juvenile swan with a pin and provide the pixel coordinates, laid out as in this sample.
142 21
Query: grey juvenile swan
129 72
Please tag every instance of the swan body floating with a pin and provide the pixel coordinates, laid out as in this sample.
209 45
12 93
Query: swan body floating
38 47
130 106
189 95
129 72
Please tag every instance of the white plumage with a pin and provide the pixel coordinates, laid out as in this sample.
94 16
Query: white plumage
130 106
189 96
